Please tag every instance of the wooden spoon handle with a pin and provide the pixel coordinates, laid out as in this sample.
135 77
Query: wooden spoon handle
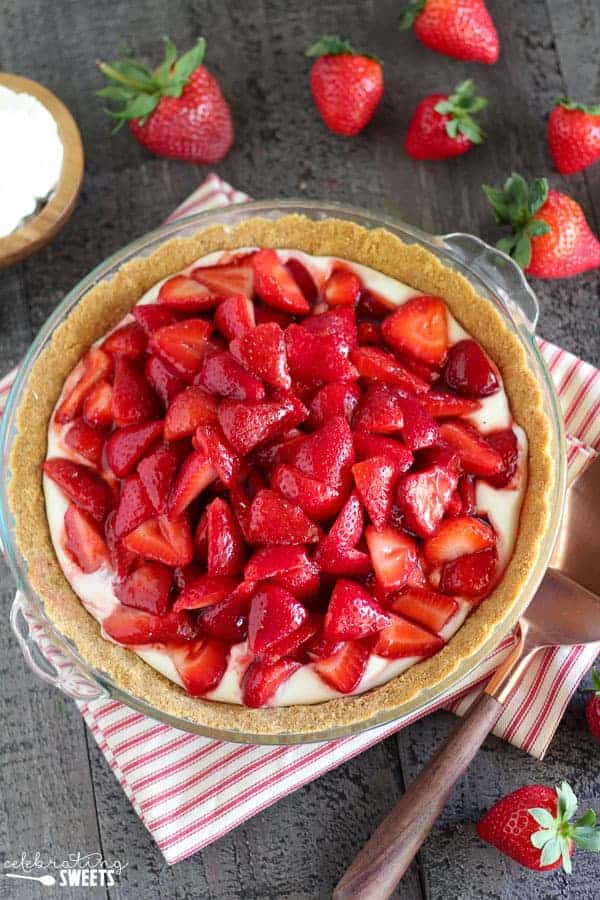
387 855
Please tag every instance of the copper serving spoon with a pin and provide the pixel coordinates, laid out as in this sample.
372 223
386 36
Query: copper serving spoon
564 611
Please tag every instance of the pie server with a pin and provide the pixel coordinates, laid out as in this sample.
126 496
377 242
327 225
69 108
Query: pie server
564 611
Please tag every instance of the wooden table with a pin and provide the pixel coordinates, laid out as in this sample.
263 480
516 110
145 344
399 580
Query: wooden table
57 794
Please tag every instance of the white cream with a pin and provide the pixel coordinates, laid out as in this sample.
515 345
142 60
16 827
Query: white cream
31 157
502 506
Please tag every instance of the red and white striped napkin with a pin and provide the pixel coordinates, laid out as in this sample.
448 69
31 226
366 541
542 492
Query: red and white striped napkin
189 790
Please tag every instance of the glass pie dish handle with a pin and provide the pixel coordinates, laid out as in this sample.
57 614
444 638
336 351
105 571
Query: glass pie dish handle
499 272
49 662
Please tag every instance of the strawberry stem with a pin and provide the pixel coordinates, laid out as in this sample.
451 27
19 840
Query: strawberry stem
115 75
516 205
460 107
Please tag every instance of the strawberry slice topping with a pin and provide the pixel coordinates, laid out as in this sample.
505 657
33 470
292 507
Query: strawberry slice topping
221 374
315 358
320 501
504 443
274 520
375 364
148 588
457 536
342 288
133 401
151 317
86 441
226 280
288 566
195 474
205 590
393 555
424 497
163 380
477 455
95 365
472 575
189 409
156 473
380 410
262 352
186 294
135 627
440 403
345 667
235 317
227 464
84 540
227 620
335 399
126 446
327 454
249 425
262 679
402 638
425 607
375 479
275 285
200 665
469 370
226 550
352 613
368 445
274 614
419 329
134 506
183 345
128 340
162 539
97 406
82 485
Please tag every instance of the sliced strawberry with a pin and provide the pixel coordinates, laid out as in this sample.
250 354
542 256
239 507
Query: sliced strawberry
368 445
319 647
195 474
86 441
342 561
189 409
132 399
419 328
380 410
327 454
289 566
393 555
275 285
335 399
148 588
84 540
219 453
226 550
205 590
226 280
156 472
477 455
128 340
262 352
378 365
344 669
164 381
201 539
294 645
369 333
352 613
337 323
318 500
419 429
442 403
274 614
122 560
342 288
373 306
82 485
424 607
424 497
126 446
221 374
262 679
200 665
134 627
264 314
182 345
469 370
227 620
181 292
455 505
234 317
274 520
303 279
405 639
183 576
97 406
316 358
95 365
151 317
471 575
456 537
505 443
347 529
248 425
466 490
134 506
375 479
164 540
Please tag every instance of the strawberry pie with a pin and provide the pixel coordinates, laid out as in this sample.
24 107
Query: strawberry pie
286 486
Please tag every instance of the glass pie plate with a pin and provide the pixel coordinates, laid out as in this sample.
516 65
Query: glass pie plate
493 274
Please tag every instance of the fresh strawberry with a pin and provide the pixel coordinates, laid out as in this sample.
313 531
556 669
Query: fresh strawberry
274 614
320 501
205 590
375 479
195 474
82 485
402 638
573 136
97 406
200 665
440 403
477 455
472 575
176 110
469 371
345 667
462 29
288 566
533 826
505 443
443 126
303 279
419 329
165 540
367 445
334 399
327 454
211 440
425 607
134 627
134 506
190 408
221 374
226 280
84 540
275 285
235 317
339 323
183 345
261 681
352 613
132 399
456 537
379 410
122 560
342 288
86 441
262 352
163 380
186 294
378 365
151 317
551 237
95 365
126 446
316 358
274 520
592 707
148 588
226 550
424 496
419 429
393 555
249 425
346 86
227 620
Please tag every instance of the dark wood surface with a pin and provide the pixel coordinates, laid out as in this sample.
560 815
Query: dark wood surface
57 794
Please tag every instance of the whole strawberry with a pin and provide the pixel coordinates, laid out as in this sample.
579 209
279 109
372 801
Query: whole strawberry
443 126
551 237
574 136
533 826
176 110
346 86
592 709
463 29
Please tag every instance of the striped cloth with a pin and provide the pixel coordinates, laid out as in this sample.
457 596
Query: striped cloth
189 790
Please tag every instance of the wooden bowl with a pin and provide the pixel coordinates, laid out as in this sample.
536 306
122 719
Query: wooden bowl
39 230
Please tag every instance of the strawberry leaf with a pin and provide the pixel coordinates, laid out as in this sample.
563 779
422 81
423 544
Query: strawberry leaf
460 107
410 13
557 832
330 45
542 816
522 250
538 194
190 61
515 205
593 110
